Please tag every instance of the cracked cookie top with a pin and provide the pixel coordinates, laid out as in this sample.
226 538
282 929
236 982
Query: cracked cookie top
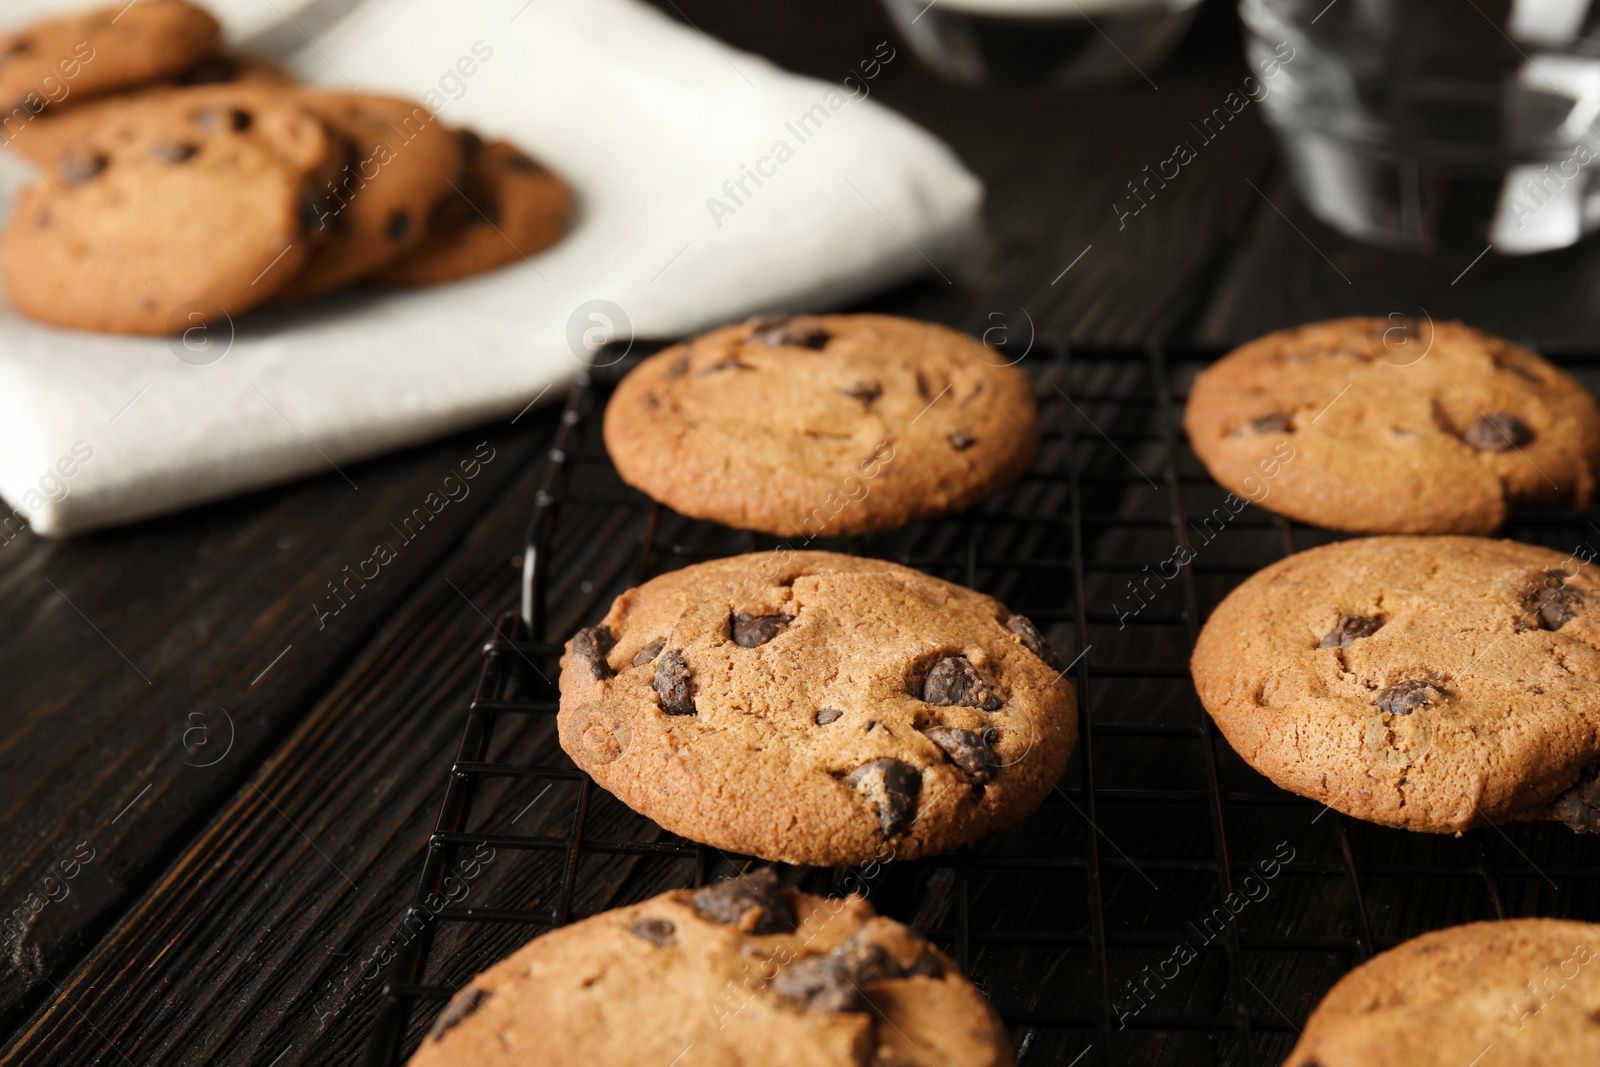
1430 683
1393 426
744 972
817 708
826 426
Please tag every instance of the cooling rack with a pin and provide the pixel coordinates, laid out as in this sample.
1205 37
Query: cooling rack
1166 905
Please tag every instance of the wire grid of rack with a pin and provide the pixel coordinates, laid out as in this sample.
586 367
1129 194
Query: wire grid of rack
1166 905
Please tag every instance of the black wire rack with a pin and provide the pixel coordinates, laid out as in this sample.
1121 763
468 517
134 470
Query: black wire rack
1166 905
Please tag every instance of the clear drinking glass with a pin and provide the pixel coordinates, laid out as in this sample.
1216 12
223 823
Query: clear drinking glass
1420 123
1057 42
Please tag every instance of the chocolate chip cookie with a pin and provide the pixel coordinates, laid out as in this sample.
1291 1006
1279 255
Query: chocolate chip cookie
1517 993
83 56
1394 426
817 708
741 972
400 160
508 207
186 207
1427 683
822 426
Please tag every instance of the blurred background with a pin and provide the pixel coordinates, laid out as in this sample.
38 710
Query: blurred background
1230 248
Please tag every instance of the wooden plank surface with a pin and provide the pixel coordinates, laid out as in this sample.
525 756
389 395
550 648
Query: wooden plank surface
149 670
214 912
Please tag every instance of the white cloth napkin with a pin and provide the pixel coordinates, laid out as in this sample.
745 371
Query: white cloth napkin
647 119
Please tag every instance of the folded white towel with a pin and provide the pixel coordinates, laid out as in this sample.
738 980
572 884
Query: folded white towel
711 185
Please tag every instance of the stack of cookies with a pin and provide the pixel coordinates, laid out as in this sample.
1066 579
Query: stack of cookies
182 185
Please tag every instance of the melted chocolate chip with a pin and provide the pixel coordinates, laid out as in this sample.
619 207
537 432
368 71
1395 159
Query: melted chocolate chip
1579 807
654 929
819 983
211 71
892 787
835 981
1497 432
1405 697
753 631
1033 640
865 389
217 119
19 47
826 715
954 680
461 1005
399 225
1556 600
960 440
926 966
753 902
649 652
1275 423
81 164
594 644
1349 629
523 164
312 208
678 369
174 152
782 330
672 684
968 751
471 144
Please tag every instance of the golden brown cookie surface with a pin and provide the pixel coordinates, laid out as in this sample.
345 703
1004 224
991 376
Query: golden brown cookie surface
743 972
1520 992
507 207
83 56
188 202
808 426
1428 683
817 708
400 161
1409 428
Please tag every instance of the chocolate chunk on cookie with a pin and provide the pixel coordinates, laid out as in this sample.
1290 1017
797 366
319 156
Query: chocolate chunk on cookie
954 680
967 750
835 984
810 707
755 903
1383 427
1579 807
593 644
753 631
826 425
1350 629
1427 683
673 683
506 208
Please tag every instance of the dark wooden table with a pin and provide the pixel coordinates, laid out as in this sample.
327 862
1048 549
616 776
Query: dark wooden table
219 793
